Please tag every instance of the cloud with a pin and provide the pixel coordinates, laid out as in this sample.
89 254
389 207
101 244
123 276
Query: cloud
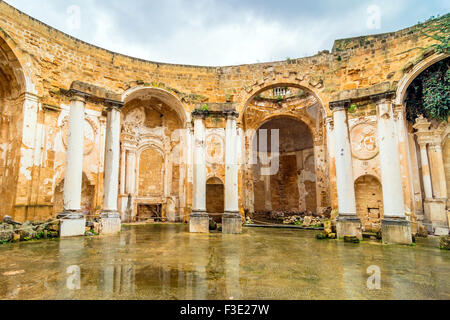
212 32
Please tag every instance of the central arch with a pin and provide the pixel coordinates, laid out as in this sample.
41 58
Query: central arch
254 91
292 186
153 173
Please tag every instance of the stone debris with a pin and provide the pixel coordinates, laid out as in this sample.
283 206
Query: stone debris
445 243
93 228
11 231
304 221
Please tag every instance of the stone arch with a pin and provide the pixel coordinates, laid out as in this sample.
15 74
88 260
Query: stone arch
11 69
248 95
308 122
293 187
13 94
369 202
165 96
405 82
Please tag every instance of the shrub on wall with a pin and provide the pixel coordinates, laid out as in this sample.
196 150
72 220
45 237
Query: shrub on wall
429 93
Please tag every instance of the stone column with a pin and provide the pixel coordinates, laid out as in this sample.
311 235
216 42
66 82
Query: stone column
331 162
396 229
348 223
405 165
438 213
426 171
73 223
232 220
110 216
199 219
432 206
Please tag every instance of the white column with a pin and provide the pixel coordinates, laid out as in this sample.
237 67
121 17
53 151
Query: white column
426 171
231 165
391 178
74 159
344 169
112 160
438 170
199 183
123 171
130 172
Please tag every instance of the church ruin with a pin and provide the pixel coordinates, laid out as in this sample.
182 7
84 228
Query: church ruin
88 132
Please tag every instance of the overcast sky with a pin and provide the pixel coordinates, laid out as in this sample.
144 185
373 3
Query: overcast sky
226 32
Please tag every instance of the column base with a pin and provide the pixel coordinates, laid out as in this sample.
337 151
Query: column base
396 231
349 226
110 222
436 216
199 222
231 223
72 224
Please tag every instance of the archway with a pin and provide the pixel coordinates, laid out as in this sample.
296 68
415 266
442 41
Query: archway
215 193
424 94
369 202
12 87
291 186
298 107
153 169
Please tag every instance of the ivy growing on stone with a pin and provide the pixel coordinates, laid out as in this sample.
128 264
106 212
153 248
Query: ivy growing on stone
438 28
429 93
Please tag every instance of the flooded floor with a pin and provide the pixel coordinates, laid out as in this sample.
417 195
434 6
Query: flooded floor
166 262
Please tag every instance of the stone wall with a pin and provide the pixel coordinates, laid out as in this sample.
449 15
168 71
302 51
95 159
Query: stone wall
41 63
369 202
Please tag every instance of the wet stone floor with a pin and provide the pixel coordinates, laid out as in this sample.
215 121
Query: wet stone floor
166 262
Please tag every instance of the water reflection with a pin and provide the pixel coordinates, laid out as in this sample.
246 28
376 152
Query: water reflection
167 262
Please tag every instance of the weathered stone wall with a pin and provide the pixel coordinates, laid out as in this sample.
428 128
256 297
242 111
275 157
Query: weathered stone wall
369 202
215 198
41 63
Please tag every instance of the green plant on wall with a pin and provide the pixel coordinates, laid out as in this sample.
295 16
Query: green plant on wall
352 108
205 107
437 28
429 93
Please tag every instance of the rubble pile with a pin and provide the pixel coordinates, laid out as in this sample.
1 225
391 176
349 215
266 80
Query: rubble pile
12 231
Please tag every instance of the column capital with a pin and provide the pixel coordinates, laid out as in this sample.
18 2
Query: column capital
200 114
385 97
113 104
231 114
77 95
340 105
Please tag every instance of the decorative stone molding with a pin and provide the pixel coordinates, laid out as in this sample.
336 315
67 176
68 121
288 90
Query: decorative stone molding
383 97
202 114
363 139
339 105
